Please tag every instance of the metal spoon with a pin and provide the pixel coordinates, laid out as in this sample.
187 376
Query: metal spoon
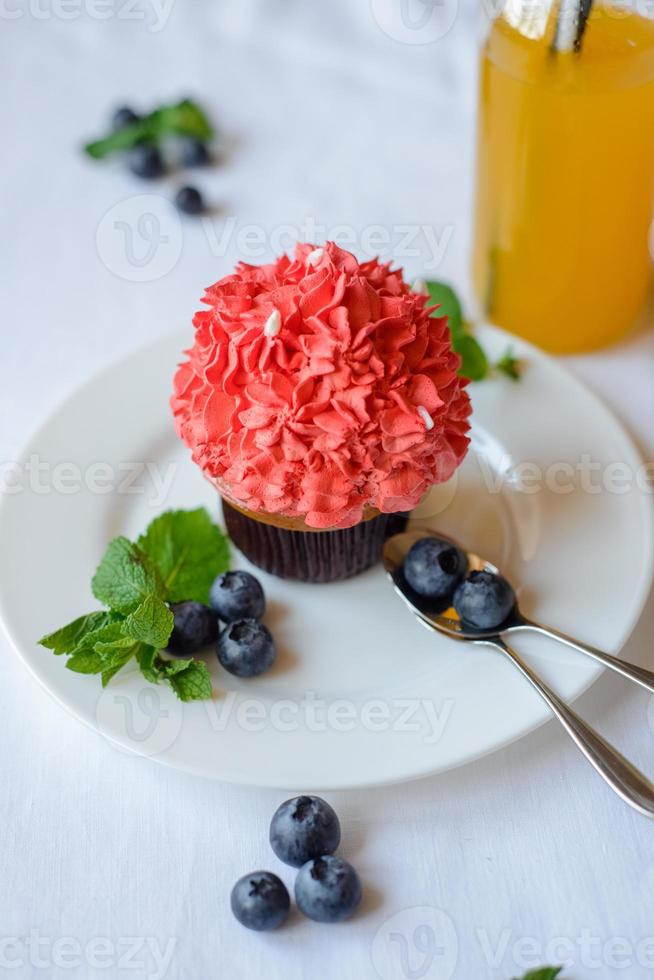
634 788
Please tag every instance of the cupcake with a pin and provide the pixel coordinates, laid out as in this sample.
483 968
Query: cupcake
321 398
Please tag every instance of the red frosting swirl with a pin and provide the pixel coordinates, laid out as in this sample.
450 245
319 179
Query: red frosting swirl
318 385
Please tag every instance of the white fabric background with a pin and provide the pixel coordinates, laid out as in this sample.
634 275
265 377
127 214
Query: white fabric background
325 115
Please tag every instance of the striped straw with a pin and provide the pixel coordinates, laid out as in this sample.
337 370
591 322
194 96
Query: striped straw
571 24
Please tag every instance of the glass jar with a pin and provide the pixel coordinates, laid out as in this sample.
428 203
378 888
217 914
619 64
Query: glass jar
565 173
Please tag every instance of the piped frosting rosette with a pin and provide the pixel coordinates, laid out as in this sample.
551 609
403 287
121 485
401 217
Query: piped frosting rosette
318 386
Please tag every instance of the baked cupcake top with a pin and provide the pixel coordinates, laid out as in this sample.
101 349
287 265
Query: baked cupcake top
318 385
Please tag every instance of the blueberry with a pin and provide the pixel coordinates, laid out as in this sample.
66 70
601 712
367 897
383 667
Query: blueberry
193 152
189 200
124 116
260 901
303 828
195 627
145 160
237 595
327 889
433 567
246 648
484 600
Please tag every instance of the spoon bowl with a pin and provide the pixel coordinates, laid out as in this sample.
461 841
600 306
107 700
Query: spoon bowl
440 616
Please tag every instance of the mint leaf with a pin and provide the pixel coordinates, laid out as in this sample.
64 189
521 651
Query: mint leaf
125 577
110 672
449 305
544 973
192 682
189 551
150 623
474 363
509 365
185 118
68 637
86 663
189 679
120 645
116 659
122 139
106 632
107 658
146 658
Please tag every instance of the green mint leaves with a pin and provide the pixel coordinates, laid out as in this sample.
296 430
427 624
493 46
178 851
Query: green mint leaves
186 547
186 118
544 973
474 361
176 559
509 365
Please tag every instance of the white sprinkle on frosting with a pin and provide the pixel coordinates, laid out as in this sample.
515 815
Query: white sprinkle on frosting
273 324
313 258
420 286
426 417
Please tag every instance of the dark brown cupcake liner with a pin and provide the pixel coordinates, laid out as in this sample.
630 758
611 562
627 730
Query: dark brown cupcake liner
311 556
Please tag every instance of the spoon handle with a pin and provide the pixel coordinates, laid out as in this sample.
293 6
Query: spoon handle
637 674
614 769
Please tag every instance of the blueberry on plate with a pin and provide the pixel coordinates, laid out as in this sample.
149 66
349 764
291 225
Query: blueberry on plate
303 828
145 160
195 627
484 600
327 889
260 901
124 116
193 152
434 567
246 648
189 200
237 595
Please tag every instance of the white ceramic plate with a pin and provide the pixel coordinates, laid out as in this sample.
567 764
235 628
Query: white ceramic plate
361 694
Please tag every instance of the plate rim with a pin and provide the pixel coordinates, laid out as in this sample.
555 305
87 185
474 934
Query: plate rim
645 583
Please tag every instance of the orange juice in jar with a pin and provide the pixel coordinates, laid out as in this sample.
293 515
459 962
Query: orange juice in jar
565 173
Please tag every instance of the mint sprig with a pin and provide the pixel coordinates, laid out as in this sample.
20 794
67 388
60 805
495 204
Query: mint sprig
185 118
475 364
176 559
544 973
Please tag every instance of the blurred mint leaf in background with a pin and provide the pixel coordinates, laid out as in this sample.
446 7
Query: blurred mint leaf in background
509 365
474 362
543 973
185 118
449 305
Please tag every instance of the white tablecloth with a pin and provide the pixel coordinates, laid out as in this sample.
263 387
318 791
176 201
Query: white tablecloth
110 864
